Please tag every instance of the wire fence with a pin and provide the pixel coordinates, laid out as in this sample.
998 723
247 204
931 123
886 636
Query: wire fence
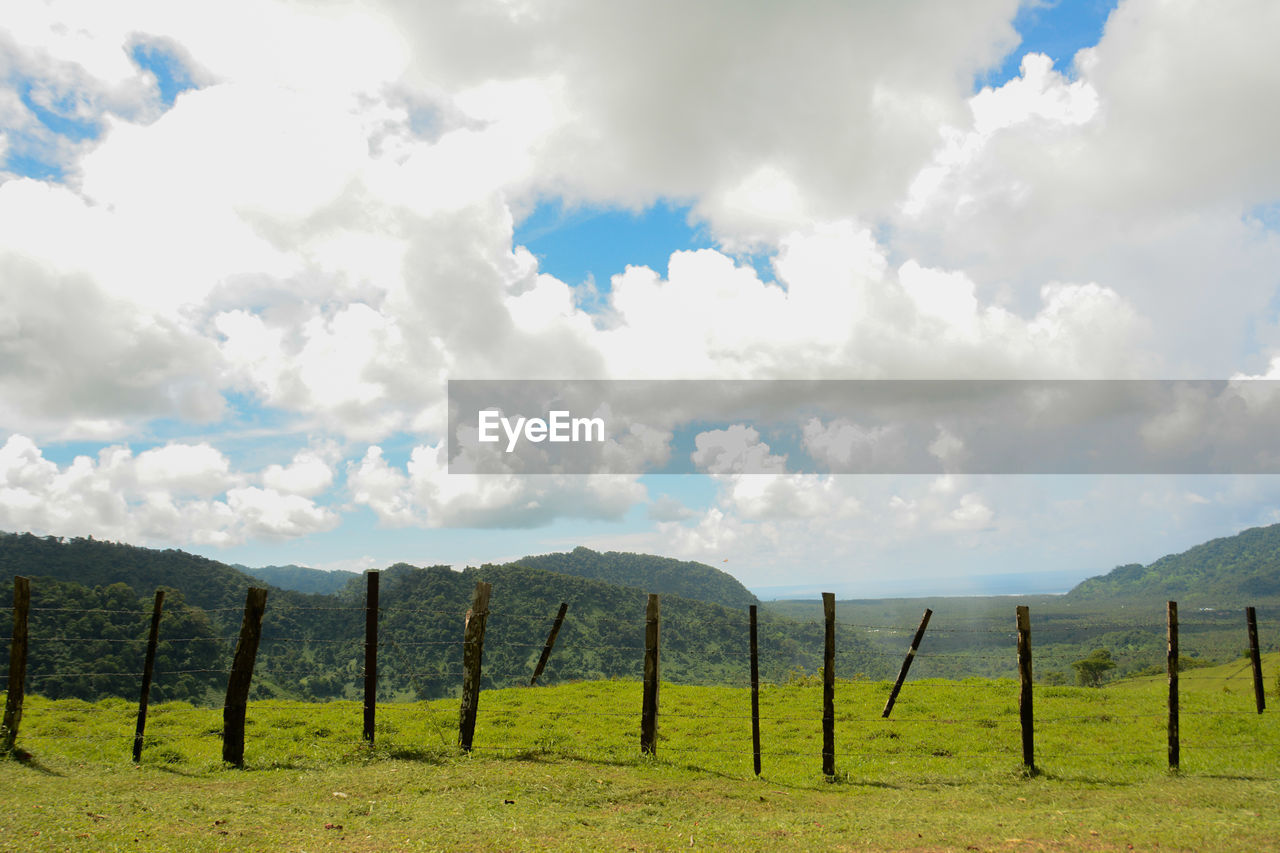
705 715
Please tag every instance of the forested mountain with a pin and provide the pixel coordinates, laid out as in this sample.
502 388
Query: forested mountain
91 562
300 578
1232 571
645 571
91 604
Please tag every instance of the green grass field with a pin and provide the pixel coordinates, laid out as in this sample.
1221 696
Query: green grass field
558 768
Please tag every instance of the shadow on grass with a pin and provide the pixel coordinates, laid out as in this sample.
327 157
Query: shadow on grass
1082 778
1229 777
29 761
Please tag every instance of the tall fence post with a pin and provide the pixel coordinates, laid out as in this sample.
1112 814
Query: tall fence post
829 685
255 603
906 663
17 662
1259 691
370 654
1172 664
551 642
649 711
1024 699
148 669
472 655
755 691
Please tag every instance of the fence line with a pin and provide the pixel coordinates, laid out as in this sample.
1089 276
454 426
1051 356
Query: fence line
275 650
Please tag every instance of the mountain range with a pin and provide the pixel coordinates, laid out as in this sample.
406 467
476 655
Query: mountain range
91 604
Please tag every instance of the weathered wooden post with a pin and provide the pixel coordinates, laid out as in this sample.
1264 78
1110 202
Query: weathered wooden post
370 654
755 692
1172 665
649 710
148 669
472 655
551 642
906 663
233 712
829 685
1259 691
17 663
1024 698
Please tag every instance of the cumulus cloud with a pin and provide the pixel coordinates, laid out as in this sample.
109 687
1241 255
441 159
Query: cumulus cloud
736 450
308 475
331 241
173 493
356 248
841 311
1129 172
424 493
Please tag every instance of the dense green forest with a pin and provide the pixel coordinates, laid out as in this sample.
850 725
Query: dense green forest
1233 571
92 601
91 604
662 575
300 578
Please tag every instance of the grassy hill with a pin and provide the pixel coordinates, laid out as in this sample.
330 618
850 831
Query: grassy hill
558 768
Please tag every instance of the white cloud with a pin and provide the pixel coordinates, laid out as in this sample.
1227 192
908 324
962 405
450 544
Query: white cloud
268 514
970 514
1136 173
425 494
842 445
332 240
308 475
174 493
736 450
676 103
196 469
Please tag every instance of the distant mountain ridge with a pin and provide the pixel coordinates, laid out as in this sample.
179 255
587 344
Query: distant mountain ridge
301 578
91 602
1234 570
663 575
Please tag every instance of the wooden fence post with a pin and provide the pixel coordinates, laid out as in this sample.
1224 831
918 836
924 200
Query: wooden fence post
370 654
472 654
551 642
1259 691
1024 698
829 685
649 711
906 663
755 691
148 669
17 662
255 603
1172 664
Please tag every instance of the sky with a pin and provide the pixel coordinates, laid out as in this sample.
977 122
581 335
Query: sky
244 246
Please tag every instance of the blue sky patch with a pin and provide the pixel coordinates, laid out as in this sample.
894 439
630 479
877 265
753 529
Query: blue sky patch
58 116
170 72
1056 28
28 166
574 243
